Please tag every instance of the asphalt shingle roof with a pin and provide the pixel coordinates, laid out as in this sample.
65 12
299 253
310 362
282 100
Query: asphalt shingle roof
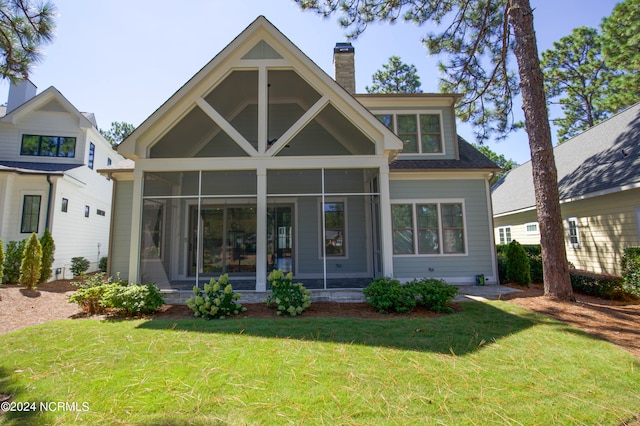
29 167
470 158
604 157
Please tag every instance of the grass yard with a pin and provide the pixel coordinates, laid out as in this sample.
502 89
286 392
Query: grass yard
491 363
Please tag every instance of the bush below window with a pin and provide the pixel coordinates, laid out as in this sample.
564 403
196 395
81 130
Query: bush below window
388 295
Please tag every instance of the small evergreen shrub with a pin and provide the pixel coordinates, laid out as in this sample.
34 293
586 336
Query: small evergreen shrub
388 295
605 286
89 293
48 248
631 270
1 260
435 295
13 260
216 300
132 299
102 266
31 262
79 265
289 298
517 268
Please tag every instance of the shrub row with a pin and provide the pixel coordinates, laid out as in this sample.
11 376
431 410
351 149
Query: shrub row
96 293
389 295
27 262
599 285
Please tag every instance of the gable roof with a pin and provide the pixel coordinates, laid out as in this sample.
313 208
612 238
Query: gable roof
260 36
470 159
602 159
50 100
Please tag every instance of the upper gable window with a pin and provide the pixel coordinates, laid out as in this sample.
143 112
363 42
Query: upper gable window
420 133
48 146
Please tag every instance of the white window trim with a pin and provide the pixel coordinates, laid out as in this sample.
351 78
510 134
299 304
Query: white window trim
329 200
439 202
537 231
395 113
504 230
573 220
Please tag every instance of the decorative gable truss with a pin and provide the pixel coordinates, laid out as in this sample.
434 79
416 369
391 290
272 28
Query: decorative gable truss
260 97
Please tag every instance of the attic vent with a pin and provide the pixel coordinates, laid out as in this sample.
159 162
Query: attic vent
262 51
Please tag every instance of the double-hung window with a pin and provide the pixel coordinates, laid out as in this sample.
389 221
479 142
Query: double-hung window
428 228
30 213
504 234
574 238
421 133
334 229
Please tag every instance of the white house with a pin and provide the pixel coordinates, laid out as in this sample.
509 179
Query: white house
49 157
262 161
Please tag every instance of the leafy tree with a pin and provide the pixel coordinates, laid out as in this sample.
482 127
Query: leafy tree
395 77
31 262
575 72
620 41
479 37
24 28
118 132
48 248
499 159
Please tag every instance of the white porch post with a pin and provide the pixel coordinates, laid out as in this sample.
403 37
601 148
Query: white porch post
136 219
386 231
261 230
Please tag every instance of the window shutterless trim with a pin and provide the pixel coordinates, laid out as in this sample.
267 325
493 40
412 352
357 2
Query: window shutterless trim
30 219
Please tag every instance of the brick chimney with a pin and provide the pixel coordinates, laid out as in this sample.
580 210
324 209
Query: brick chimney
19 93
345 71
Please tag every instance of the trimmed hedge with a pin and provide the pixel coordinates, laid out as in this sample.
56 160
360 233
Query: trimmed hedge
599 285
389 295
631 270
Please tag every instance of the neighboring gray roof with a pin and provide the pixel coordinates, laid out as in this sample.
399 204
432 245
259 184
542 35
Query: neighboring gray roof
604 157
28 167
470 158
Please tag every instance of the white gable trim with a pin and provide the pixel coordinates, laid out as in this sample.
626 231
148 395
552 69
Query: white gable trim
229 59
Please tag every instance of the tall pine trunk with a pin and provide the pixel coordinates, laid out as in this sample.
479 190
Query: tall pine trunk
557 283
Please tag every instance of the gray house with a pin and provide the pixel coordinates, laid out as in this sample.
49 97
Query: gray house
599 183
262 161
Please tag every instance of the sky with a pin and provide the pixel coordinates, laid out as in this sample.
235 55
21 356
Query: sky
122 59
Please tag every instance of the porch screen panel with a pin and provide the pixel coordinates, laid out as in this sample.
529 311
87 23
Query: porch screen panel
351 181
289 182
167 184
233 182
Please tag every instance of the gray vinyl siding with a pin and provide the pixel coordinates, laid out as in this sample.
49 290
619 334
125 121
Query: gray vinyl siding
121 238
479 258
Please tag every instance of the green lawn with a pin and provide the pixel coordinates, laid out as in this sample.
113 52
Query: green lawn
491 363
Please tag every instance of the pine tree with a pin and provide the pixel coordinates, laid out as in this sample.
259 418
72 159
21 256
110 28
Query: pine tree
31 262
479 38
395 77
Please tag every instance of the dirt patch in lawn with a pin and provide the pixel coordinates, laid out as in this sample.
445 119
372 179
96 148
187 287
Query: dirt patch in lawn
617 322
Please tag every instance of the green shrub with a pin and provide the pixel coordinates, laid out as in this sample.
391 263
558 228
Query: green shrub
13 260
79 265
216 300
605 286
95 294
535 267
89 293
388 295
288 298
1 260
48 248
102 265
31 262
435 295
132 299
631 270
517 268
